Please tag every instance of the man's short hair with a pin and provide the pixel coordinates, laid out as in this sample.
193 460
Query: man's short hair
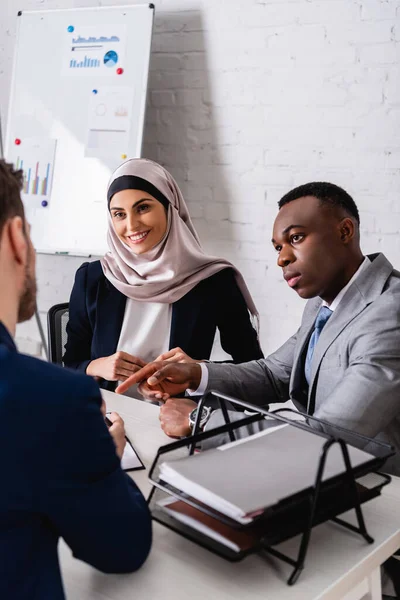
327 193
10 193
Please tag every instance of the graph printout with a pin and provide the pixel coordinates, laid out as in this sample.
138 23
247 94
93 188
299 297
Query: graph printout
109 121
94 50
35 156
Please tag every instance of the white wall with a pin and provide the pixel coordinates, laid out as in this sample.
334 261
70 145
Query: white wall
248 99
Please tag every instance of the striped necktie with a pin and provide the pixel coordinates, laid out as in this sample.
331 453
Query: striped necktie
320 322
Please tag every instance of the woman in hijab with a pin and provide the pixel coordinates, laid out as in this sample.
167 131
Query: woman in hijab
156 292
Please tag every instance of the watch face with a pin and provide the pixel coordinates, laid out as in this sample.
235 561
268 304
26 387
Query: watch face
192 417
205 413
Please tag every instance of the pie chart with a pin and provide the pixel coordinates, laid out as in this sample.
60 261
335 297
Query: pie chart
110 58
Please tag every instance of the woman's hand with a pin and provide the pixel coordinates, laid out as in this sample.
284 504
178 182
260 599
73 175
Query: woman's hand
175 355
117 367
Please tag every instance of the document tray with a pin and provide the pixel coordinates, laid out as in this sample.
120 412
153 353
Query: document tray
295 515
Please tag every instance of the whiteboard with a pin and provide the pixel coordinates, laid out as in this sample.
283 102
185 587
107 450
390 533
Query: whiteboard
77 108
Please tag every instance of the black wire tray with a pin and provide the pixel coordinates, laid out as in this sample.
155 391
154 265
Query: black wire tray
295 515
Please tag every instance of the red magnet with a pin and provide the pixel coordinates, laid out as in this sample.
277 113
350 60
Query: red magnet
120 71
17 141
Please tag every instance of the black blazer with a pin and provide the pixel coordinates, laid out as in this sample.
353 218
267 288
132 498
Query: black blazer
96 313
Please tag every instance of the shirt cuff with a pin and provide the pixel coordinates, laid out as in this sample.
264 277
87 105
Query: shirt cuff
203 382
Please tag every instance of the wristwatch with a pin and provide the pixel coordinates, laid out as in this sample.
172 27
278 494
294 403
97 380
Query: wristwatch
205 415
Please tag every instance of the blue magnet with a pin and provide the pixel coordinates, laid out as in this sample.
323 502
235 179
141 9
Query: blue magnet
44 203
70 29
94 91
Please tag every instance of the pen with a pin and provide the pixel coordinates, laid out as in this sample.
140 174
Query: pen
108 422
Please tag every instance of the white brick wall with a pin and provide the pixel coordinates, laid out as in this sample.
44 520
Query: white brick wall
247 99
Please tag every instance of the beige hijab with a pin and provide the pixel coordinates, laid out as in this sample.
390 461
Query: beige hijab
177 263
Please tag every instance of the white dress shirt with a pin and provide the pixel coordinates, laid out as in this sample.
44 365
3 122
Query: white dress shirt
145 331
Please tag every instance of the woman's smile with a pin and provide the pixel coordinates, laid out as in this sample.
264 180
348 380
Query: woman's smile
138 238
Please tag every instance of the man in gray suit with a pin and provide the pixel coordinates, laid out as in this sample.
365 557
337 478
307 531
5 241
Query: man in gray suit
343 364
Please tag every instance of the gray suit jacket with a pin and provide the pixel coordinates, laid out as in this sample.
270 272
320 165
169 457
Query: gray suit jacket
355 378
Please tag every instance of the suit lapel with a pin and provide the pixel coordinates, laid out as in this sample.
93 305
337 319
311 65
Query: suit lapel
365 289
351 305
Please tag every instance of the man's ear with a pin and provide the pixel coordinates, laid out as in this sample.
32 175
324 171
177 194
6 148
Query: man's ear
347 230
17 240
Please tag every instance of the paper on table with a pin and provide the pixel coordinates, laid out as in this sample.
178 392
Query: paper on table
130 460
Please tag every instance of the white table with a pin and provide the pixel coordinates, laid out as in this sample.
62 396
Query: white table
339 565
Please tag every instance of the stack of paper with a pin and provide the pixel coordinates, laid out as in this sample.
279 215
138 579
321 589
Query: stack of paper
240 480
235 539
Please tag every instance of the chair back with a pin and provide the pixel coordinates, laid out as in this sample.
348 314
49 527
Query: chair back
57 319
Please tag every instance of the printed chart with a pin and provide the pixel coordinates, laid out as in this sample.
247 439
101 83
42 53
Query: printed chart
111 59
35 157
109 121
91 50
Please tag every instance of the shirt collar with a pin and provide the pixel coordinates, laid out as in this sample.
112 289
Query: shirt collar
6 339
333 306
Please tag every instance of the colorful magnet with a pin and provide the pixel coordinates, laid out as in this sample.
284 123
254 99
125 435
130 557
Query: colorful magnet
123 156
44 203
94 91
17 141
70 29
120 71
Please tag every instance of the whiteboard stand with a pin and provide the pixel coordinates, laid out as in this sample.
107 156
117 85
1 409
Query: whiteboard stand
41 333
38 321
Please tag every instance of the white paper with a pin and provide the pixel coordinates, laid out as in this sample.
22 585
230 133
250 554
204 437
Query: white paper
109 121
130 459
205 495
94 50
250 437
35 156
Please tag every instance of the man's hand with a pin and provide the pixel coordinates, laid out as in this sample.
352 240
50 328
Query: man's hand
175 355
103 408
174 416
161 380
118 366
117 431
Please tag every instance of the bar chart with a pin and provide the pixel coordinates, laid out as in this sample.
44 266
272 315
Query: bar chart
35 157
33 183
85 63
